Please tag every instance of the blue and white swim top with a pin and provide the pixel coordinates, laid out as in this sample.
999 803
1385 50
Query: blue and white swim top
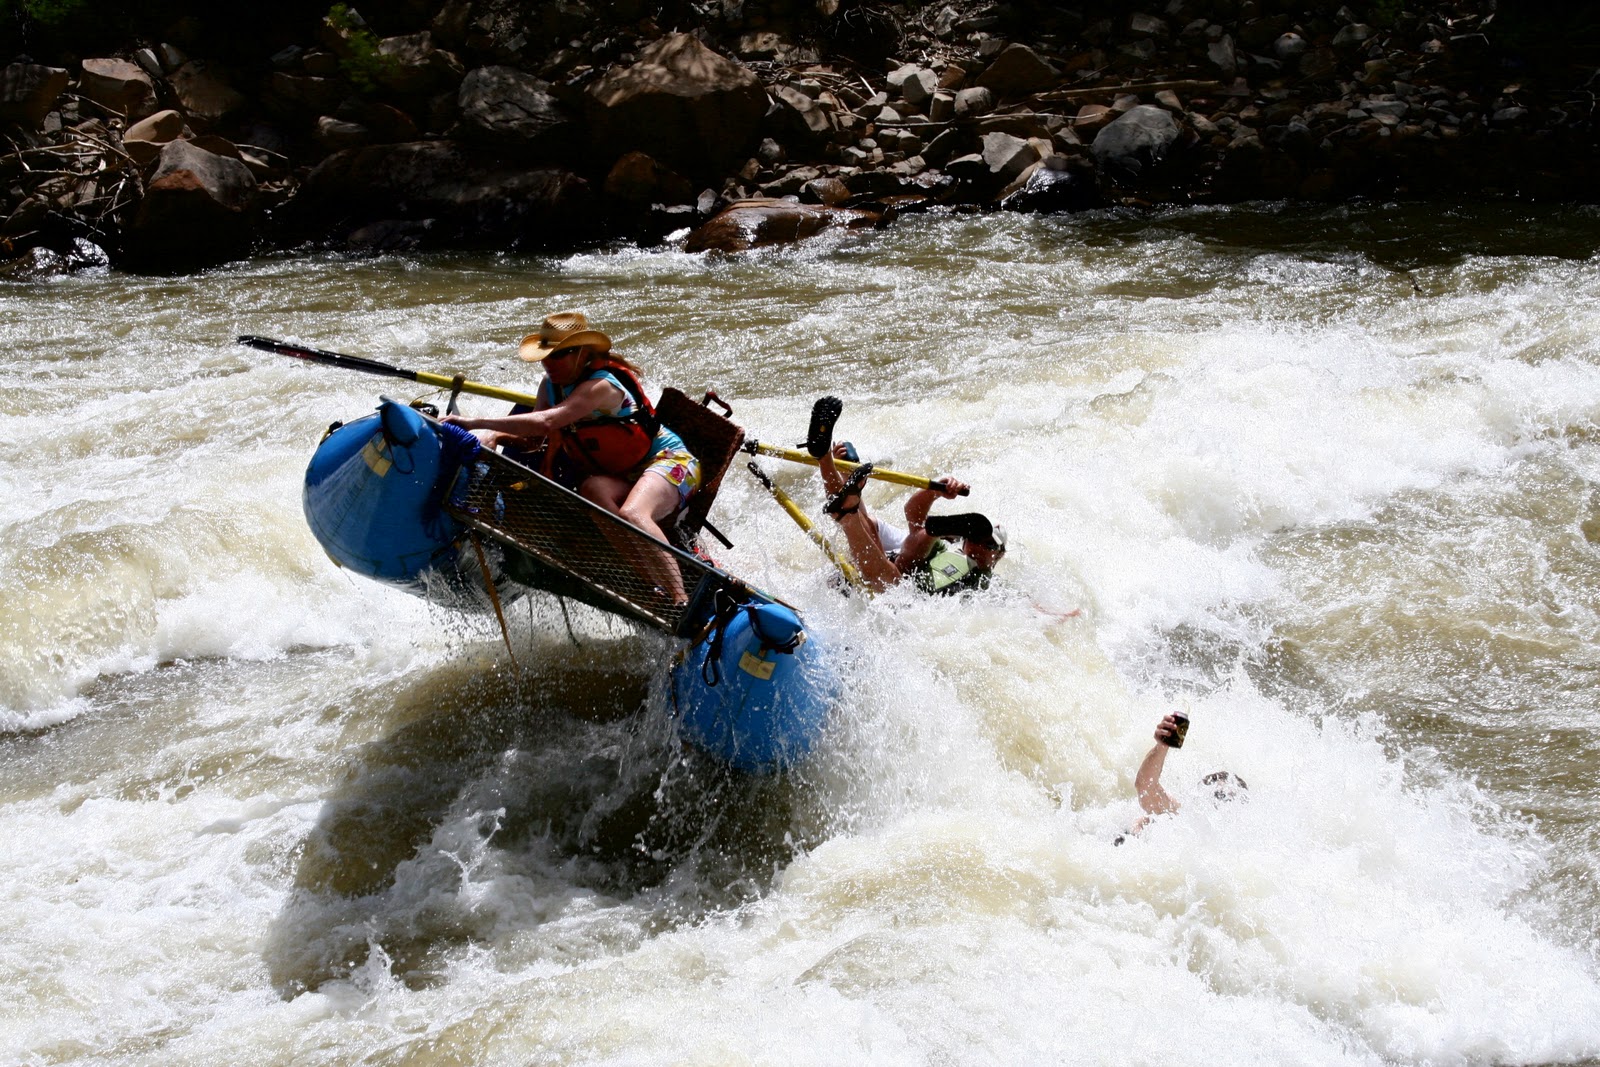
550 394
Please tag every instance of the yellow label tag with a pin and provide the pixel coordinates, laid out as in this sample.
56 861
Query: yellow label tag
374 456
760 668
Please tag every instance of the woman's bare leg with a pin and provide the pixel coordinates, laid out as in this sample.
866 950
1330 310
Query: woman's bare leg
645 503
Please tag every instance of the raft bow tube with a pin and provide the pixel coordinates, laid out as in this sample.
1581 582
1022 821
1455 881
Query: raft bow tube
374 494
756 692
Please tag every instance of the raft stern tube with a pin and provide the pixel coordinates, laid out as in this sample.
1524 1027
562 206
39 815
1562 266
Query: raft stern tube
756 692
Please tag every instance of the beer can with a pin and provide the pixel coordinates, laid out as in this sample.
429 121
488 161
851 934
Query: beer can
1181 721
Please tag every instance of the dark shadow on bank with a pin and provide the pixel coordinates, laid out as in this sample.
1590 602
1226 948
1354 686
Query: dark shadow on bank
500 796
1402 236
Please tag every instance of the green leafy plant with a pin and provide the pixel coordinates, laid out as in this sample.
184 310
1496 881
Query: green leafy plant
363 64
43 12
1387 12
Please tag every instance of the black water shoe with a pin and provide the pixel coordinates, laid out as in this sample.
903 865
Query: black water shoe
840 504
824 413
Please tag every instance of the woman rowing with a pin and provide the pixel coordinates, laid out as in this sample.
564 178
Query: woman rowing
599 430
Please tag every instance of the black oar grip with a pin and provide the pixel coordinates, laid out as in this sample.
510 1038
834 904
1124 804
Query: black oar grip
940 487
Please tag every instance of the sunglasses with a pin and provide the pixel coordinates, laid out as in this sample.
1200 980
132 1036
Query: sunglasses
562 353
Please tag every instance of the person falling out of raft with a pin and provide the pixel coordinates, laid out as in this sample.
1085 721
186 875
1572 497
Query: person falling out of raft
886 556
1153 798
600 431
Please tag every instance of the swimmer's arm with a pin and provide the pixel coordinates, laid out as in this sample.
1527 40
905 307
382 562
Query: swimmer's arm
1152 797
918 543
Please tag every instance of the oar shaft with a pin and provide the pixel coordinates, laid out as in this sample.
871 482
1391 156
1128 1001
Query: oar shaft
794 455
372 366
786 502
445 381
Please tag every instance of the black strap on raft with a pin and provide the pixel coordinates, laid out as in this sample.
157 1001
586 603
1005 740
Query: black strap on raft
724 611
727 609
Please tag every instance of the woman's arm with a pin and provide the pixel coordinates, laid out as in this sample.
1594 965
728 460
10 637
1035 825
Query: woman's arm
596 394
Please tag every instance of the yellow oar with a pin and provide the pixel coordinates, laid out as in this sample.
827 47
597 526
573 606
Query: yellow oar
794 455
372 366
846 568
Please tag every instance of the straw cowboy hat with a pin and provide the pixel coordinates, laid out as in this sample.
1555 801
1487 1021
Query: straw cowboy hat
564 329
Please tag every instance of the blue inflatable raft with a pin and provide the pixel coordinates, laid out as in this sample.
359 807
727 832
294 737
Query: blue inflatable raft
400 497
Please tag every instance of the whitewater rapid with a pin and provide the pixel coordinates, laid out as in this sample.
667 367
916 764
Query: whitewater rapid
1324 478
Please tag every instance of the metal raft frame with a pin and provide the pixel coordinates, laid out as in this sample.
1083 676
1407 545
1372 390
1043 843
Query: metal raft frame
563 544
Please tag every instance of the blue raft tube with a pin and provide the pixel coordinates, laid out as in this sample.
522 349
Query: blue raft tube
384 497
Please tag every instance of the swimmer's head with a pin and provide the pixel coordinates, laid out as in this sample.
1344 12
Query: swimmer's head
1226 785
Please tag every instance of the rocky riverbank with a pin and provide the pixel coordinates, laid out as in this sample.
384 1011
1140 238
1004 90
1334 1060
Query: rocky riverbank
522 124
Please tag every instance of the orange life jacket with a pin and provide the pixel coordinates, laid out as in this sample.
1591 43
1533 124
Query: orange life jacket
608 444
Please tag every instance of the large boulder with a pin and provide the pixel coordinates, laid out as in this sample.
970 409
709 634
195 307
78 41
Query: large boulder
305 92
467 196
683 104
118 86
204 97
28 91
146 138
638 181
198 211
413 65
798 118
505 107
1018 71
748 224
1052 189
1133 148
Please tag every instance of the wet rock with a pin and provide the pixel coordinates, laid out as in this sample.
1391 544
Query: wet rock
198 211
1133 147
829 191
118 86
1141 25
391 235
503 106
28 91
1056 188
751 224
696 111
33 265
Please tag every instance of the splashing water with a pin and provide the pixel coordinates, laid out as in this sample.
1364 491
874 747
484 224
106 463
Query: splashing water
1326 476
